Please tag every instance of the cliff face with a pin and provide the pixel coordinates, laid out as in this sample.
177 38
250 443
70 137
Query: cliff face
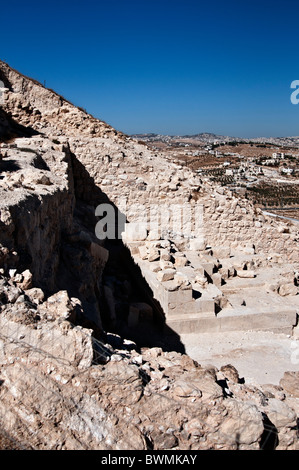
60 388
39 229
37 203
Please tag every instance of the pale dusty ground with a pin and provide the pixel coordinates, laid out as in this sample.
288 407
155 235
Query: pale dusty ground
259 356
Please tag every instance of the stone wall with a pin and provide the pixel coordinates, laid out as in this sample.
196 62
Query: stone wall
36 209
42 227
233 222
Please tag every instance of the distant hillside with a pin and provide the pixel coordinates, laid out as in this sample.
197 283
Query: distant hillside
207 137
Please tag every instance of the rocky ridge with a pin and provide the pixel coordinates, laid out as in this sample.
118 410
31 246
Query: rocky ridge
62 389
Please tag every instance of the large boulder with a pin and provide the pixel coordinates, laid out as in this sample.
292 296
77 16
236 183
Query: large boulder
290 383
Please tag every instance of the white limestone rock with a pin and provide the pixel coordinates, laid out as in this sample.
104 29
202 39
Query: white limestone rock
288 289
166 275
245 273
142 251
135 232
197 244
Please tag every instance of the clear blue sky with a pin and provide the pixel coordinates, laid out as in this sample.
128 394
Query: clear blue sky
170 67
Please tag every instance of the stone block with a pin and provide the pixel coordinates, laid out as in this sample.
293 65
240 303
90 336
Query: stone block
153 254
179 297
181 279
180 261
221 252
208 268
211 292
217 279
207 306
166 264
201 280
290 383
36 295
226 270
155 267
246 273
153 235
165 254
280 414
135 232
170 286
27 280
166 275
142 252
288 289
59 306
199 270
197 244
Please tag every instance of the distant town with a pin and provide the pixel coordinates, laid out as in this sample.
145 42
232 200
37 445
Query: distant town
263 170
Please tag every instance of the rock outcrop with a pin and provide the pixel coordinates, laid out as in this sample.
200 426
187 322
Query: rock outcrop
62 389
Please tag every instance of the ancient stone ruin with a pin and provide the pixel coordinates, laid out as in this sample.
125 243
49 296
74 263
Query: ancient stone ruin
88 322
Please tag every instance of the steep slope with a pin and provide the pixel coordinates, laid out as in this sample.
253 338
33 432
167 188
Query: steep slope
128 172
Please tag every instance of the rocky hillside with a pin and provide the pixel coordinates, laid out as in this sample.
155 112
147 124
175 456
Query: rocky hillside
66 382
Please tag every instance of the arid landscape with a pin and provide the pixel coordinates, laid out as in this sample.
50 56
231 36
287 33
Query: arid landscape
178 329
